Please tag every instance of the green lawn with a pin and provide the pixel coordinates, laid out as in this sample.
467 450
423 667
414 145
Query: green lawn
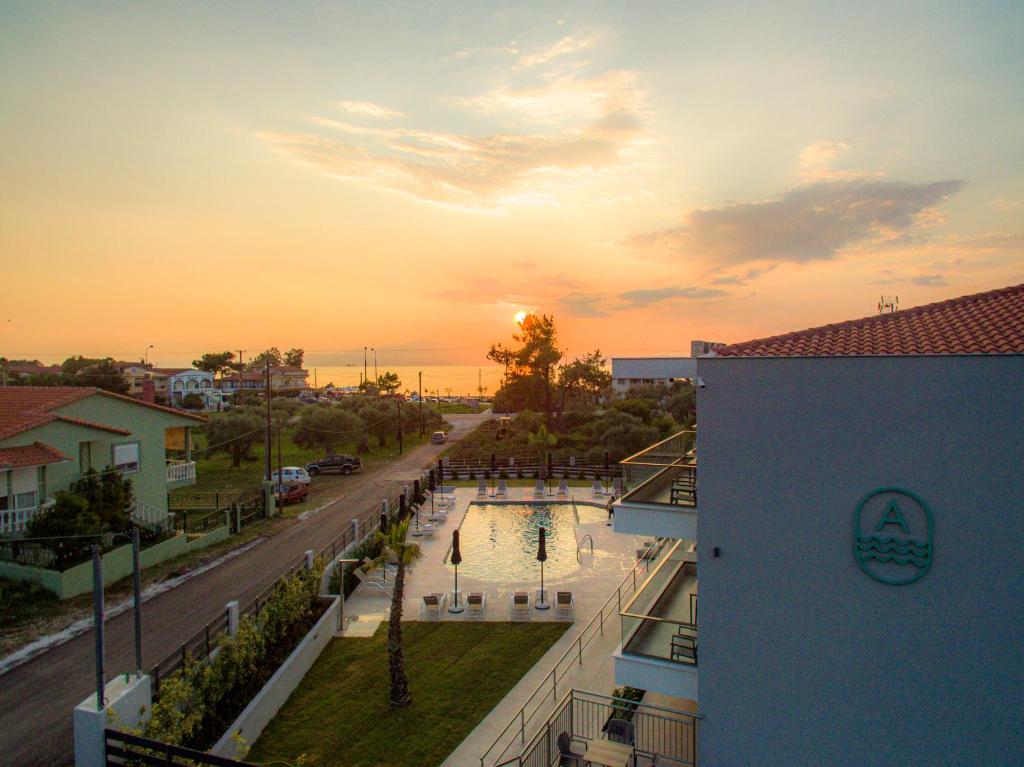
339 716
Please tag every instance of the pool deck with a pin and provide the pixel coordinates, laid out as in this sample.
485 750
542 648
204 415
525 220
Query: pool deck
598 575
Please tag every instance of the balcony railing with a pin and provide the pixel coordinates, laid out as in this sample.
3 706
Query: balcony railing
179 471
16 520
660 621
664 474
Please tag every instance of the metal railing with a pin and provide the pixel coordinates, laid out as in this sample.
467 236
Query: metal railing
580 545
123 748
664 473
648 634
584 716
571 658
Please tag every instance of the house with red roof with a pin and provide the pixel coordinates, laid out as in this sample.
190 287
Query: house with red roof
851 508
50 436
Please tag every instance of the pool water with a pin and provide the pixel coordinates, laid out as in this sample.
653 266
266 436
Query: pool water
499 541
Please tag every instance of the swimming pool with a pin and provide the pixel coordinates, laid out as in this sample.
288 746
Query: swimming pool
499 541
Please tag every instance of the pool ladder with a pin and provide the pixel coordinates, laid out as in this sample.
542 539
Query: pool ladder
583 540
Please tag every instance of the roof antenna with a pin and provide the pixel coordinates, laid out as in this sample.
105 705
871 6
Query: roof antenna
888 304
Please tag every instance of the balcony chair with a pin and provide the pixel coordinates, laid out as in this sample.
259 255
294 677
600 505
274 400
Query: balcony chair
619 731
684 648
566 756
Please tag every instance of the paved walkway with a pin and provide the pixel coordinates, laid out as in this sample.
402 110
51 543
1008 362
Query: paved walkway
36 699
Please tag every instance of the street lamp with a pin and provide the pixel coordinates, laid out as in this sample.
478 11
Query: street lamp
376 380
151 346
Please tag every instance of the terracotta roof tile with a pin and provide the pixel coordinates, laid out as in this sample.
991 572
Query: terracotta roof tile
36 454
983 323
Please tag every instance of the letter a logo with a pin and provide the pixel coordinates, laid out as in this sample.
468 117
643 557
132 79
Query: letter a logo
893 516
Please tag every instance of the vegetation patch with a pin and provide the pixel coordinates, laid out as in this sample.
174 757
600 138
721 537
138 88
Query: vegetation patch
458 672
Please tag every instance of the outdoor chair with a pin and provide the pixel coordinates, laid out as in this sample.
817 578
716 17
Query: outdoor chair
481 488
521 606
426 531
502 490
566 755
476 603
538 489
433 604
596 488
619 731
684 648
563 487
565 605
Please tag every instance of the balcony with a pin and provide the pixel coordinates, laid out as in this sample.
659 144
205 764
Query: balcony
180 474
659 647
662 495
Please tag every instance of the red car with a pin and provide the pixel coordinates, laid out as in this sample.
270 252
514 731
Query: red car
292 492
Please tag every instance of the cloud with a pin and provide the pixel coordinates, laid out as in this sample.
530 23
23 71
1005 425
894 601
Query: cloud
810 222
369 109
554 135
742 279
584 305
637 299
568 44
930 281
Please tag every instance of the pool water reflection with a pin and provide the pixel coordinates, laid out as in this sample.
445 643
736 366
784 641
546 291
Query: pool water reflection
499 541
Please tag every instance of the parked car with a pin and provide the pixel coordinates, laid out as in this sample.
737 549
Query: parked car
439 437
291 492
292 474
334 464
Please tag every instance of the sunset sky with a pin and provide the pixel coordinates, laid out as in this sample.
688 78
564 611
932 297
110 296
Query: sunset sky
204 176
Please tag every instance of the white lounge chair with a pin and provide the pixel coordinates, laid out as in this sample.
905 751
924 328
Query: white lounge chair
563 487
433 604
617 487
597 489
538 489
502 490
425 531
476 603
521 606
565 605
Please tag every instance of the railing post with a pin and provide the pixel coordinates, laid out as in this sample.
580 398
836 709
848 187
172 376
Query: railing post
232 610
579 641
522 724
601 615
554 686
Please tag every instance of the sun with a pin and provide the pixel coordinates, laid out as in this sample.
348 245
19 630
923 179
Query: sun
520 317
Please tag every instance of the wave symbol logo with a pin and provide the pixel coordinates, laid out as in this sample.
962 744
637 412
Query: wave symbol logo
893 536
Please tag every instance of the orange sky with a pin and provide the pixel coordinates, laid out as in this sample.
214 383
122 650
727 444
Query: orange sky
333 177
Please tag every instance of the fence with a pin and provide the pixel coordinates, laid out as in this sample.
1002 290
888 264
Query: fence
64 554
204 641
572 657
125 749
528 468
584 716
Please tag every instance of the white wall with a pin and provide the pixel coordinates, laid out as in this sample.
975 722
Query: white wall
805 659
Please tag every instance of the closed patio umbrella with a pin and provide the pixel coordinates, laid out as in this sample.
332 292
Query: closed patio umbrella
542 556
455 559
431 486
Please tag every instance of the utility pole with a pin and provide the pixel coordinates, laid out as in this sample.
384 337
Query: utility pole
376 378
364 364
421 402
398 406
267 446
240 360
480 382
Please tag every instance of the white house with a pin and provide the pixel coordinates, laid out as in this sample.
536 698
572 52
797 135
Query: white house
858 521
184 381
628 372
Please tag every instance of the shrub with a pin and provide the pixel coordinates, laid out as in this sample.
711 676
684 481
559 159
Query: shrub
192 401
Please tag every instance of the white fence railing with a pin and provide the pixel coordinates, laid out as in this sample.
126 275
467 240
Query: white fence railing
181 470
16 520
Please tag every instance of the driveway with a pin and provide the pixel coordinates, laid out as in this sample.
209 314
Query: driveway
37 698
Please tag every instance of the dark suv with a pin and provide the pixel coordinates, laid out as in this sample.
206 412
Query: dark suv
336 464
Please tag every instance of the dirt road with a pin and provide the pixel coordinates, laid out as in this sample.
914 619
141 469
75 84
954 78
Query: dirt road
36 699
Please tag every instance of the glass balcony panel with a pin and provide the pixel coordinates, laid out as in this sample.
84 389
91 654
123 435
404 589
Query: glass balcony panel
664 474
661 619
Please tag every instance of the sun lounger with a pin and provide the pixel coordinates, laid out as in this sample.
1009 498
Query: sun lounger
476 603
597 489
425 531
481 488
563 487
502 491
565 605
521 606
433 604
538 489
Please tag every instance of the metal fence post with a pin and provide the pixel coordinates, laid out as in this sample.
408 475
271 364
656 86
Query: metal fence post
232 610
97 616
309 559
554 685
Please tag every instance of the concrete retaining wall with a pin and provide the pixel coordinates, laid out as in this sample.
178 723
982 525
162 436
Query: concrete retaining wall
268 701
117 564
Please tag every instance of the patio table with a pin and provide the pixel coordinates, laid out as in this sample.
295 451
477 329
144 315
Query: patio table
608 753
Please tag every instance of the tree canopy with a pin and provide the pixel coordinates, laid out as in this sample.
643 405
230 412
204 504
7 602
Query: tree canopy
388 382
234 433
217 363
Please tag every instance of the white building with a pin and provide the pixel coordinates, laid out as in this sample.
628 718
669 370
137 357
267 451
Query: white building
628 372
859 524
184 381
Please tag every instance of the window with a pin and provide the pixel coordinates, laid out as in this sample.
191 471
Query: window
3 503
126 458
25 500
84 457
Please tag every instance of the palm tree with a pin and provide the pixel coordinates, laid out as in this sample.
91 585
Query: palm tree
542 440
395 547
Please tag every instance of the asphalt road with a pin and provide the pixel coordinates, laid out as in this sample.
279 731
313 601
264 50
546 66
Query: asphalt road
37 698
